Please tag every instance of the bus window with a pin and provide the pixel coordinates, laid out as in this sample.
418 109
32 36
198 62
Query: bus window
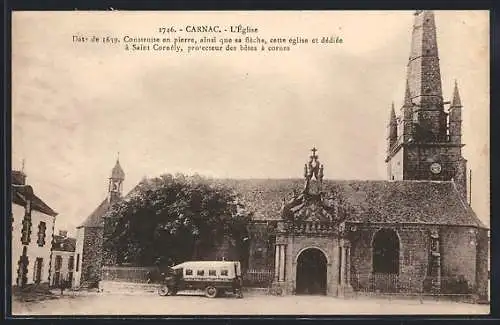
212 273
200 272
189 272
224 272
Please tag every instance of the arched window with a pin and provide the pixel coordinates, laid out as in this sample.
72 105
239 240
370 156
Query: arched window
386 252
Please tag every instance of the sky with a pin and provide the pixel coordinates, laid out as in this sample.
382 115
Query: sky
236 115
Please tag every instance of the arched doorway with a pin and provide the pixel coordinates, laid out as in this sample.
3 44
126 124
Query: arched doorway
385 275
311 272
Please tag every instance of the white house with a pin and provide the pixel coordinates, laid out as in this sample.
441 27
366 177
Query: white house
63 259
32 230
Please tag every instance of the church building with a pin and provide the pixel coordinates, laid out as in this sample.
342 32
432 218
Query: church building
89 235
414 232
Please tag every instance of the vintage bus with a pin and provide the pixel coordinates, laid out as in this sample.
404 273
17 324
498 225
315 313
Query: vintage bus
214 278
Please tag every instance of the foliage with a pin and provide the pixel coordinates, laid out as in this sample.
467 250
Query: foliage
175 218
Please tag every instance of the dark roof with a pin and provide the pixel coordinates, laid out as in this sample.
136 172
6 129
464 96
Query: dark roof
117 171
21 193
423 202
65 244
420 202
95 220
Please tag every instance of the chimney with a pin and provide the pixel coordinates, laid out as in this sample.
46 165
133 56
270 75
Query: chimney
63 233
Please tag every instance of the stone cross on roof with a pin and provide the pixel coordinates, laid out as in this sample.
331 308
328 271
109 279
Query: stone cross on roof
314 153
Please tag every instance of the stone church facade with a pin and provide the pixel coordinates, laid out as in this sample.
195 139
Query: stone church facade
413 233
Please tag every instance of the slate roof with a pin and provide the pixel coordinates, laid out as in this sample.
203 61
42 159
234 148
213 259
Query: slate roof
20 194
117 171
95 220
423 202
65 244
408 202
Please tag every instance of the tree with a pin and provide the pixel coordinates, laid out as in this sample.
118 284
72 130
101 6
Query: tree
175 218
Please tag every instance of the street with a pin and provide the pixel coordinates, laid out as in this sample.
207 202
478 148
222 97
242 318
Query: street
86 303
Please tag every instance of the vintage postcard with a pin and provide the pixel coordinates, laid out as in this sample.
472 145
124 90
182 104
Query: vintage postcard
250 163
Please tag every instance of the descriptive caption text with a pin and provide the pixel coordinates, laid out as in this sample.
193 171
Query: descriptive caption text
205 38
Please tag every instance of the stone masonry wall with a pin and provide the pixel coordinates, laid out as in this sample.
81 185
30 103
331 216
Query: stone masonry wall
419 159
482 264
414 257
464 252
296 245
413 260
361 258
92 255
458 253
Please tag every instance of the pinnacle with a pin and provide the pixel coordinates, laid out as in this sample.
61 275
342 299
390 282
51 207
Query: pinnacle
393 113
407 101
455 101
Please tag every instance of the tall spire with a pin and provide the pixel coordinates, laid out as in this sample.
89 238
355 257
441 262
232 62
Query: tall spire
423 75
428 145
455 101
424 81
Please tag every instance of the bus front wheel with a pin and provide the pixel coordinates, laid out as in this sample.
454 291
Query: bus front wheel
211 292
163 291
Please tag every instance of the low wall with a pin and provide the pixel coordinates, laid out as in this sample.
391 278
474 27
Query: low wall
137 274
127 287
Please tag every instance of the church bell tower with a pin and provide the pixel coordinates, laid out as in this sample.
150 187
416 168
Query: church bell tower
424 141
116 182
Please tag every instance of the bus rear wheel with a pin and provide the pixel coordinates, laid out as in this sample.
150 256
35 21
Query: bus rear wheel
211 292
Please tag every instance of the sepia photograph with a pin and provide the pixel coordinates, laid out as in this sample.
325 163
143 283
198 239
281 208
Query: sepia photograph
250 163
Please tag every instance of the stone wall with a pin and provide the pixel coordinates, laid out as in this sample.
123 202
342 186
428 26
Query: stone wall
92 255
458 253
110 255
361 257
420 157
464 252
482 264
330 248
395 166
413 256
